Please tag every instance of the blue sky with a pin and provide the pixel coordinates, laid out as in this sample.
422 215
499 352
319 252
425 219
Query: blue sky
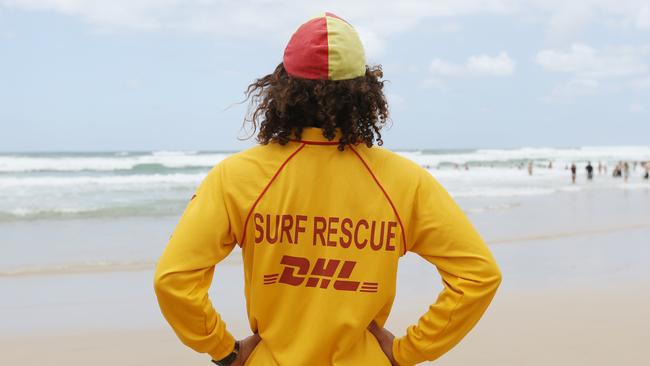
80 75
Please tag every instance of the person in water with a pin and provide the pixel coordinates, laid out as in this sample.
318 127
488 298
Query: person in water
323 215
590 170
573 172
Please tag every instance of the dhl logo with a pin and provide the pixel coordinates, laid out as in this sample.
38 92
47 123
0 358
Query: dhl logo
297 270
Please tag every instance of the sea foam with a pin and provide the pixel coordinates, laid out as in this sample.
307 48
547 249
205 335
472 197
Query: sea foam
123 184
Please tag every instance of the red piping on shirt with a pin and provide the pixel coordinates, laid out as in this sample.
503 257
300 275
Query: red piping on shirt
265 189
385 194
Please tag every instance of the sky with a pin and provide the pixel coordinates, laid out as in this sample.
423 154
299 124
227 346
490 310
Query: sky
117 75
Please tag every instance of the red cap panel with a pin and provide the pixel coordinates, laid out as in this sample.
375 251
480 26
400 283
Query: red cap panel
306 54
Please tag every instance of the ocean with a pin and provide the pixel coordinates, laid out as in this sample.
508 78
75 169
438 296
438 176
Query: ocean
44 186
64 213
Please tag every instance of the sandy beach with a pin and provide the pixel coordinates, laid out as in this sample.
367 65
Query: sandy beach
563 327
576 289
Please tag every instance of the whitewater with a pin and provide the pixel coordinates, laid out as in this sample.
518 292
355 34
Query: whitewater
42 186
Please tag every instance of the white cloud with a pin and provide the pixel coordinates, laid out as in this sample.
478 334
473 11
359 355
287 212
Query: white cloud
136 14
385 17
377 20
274 20
591 70
565 20
480 65
574 88
587 62
249 18
568 19
500 65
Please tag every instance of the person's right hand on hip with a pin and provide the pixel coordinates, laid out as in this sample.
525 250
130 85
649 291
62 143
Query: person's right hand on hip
385 339
246 347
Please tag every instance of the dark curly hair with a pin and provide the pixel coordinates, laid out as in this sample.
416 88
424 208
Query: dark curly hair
282 105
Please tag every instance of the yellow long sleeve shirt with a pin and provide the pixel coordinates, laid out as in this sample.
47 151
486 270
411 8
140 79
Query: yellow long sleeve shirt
321 233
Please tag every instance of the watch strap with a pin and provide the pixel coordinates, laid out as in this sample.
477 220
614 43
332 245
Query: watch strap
228 360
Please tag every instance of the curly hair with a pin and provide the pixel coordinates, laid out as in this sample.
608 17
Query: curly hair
282 105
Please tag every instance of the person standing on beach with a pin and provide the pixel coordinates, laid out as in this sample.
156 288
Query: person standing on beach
530 168
322 216
626 171
574 169
616 173
590 171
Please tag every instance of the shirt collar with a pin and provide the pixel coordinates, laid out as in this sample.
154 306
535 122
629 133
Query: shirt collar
314 135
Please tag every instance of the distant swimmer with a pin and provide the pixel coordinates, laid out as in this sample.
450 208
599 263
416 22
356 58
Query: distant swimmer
616 173
530 168
590 171
550 165
573 173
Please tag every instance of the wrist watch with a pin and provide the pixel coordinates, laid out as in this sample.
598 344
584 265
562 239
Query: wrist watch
228 360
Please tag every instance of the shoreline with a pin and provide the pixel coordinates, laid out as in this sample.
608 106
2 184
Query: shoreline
234 258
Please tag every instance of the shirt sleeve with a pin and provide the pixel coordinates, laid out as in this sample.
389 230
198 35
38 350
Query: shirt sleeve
184 273
441 233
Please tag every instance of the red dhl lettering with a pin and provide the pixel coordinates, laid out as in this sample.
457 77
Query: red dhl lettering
297 271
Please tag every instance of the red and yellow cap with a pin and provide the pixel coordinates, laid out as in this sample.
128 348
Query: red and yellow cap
325 47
